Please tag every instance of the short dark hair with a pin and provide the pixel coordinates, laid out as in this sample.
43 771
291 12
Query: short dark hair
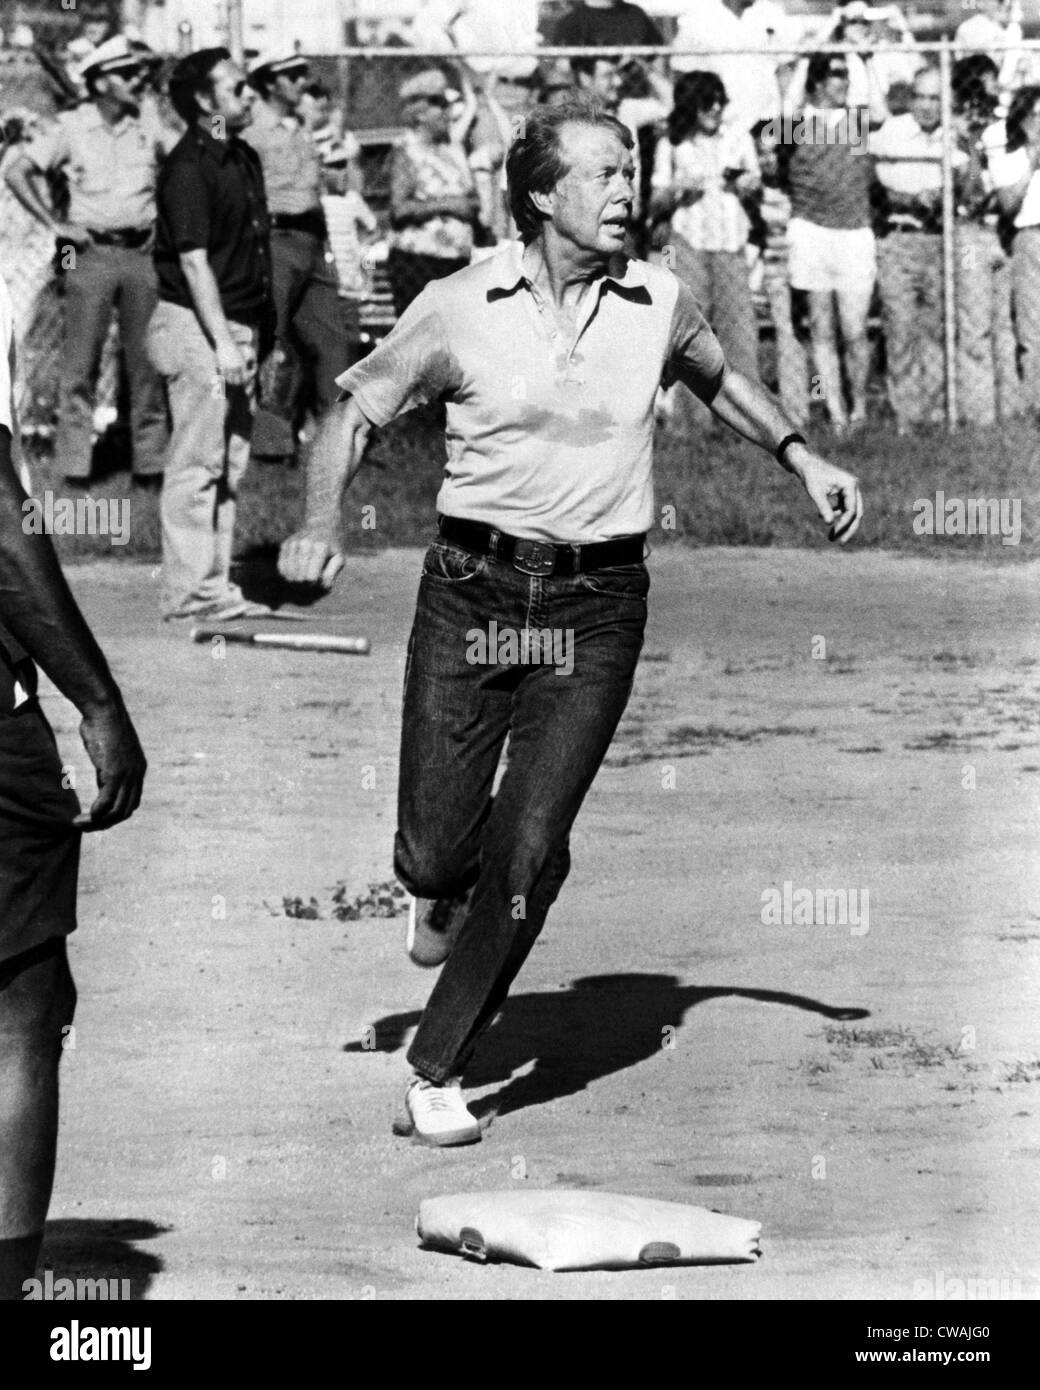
192 75
694 92
535 162
819 68
971 75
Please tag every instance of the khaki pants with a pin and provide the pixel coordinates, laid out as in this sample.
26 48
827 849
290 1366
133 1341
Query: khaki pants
209 451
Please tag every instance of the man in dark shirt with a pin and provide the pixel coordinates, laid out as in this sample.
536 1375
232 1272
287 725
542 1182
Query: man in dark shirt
213 262
608 24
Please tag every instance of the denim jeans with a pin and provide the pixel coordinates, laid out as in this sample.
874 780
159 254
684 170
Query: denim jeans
468 688
208 454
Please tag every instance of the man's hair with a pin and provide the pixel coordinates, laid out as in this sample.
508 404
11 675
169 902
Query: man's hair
586 67
694 92
970 77
535 162
819 67
192 75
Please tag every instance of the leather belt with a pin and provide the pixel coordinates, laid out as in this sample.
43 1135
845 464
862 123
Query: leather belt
130 237
312 222
913 231
541 558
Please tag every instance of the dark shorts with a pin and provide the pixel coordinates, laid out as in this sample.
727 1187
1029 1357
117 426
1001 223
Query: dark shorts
39 846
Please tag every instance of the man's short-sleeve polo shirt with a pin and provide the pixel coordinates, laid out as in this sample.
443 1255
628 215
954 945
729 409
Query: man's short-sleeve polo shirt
547 439
291 161
211 198
111 169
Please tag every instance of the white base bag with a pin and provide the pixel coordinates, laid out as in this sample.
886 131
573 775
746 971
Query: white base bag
563 1230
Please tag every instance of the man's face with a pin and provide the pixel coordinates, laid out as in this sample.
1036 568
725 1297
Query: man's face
604 83
314 111
288 86
430 113
230 98
123 85
835 86
926 104
592 203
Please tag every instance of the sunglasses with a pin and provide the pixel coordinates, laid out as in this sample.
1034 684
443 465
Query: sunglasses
438 101
297 74
837 72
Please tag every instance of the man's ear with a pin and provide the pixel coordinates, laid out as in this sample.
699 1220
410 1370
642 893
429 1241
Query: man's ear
542 202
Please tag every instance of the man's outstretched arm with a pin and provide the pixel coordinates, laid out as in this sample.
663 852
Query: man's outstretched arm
312 555
752 411
37 608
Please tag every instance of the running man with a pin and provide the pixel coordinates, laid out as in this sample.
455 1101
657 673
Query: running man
548 360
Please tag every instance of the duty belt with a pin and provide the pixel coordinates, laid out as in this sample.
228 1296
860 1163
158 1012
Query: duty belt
130 237
312 221
541 558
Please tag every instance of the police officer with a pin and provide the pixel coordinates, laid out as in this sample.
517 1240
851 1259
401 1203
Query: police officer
313 321
109 149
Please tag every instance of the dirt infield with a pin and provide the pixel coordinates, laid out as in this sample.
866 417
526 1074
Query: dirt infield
867 1094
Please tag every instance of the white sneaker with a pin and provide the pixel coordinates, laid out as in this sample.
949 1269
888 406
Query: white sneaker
433 928
437 1114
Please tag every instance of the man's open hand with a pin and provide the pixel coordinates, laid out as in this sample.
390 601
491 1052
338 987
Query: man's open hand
308 558
834 492
113 747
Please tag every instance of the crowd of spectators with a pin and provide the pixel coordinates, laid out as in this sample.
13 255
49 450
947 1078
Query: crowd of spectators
795 191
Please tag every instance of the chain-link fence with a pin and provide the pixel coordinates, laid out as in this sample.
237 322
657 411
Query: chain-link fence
862 228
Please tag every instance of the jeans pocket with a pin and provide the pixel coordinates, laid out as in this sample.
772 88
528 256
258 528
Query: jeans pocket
619 581
450 564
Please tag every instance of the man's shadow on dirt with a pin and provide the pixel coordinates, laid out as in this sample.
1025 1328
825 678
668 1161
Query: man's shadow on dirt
78 1248
598 1025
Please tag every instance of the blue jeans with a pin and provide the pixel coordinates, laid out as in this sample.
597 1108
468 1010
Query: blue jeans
470 683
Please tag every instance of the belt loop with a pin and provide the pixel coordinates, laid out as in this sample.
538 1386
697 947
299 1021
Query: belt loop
493 542
576 552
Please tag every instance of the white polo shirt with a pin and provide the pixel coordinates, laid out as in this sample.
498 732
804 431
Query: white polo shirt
548 439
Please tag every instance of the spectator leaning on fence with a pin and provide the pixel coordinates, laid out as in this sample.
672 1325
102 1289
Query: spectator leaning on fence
988 385
110 150
433 198
1015 175
214 265
908 154
702 172
315 328
831 242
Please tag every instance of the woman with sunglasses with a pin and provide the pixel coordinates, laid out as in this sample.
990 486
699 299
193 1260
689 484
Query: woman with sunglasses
433 198
703 173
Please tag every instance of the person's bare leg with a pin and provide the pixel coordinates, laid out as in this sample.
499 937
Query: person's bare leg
823 336
853 309
37 1000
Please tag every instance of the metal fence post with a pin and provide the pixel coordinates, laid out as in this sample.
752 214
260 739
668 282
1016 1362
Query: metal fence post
949 235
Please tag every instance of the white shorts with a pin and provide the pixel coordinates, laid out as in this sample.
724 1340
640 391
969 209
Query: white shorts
830 258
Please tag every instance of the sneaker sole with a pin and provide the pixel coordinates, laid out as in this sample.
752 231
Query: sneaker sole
404 1127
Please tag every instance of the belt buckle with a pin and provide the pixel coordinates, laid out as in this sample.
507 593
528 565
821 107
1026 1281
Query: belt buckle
534 557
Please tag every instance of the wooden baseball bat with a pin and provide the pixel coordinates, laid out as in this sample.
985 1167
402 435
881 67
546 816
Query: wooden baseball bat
291 641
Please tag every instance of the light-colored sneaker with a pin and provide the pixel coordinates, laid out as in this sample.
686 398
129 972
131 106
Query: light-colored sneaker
433 928
437 1114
